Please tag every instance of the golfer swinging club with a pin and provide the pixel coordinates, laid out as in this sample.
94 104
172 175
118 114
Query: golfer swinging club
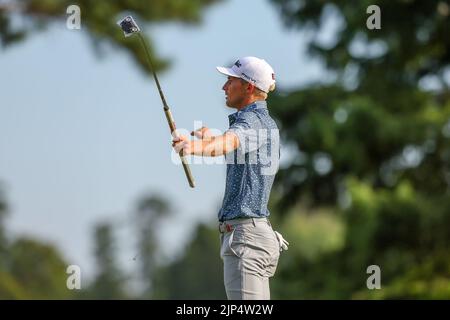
249 247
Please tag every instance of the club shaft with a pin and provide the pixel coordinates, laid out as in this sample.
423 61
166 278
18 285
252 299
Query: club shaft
167 112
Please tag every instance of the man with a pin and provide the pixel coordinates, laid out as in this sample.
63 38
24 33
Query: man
249 247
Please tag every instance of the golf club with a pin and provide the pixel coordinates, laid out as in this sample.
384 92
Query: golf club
129 28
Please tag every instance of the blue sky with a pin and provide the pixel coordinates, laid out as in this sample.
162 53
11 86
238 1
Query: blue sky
83 136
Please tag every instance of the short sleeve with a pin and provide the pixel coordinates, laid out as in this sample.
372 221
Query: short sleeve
249 131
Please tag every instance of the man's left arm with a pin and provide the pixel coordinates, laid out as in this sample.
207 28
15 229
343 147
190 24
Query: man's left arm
212 146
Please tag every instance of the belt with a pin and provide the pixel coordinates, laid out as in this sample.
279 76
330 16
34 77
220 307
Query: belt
229 225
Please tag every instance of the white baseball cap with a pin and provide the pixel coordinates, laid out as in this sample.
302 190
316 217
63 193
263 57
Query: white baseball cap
253 70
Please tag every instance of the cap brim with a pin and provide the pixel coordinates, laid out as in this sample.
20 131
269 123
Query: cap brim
228 72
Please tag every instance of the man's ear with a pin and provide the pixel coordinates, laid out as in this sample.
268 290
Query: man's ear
250 87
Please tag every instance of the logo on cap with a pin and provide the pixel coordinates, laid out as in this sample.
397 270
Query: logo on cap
248 77
238 64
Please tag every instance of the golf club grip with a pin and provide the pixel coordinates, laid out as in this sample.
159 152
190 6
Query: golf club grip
187 169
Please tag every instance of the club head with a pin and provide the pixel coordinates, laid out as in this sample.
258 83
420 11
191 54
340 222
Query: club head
129 26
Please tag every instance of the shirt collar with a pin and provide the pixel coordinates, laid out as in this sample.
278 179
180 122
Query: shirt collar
262 104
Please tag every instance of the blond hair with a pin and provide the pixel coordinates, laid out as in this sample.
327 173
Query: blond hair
260 93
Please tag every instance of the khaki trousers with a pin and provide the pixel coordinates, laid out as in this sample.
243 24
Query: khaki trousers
250 252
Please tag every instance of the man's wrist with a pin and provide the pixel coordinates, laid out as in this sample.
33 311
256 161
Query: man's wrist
189 150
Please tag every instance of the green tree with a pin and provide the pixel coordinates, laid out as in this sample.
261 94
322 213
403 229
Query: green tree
373 120
3 239
371 143
109 282
150 212
98 19
39 269
197 273
9 287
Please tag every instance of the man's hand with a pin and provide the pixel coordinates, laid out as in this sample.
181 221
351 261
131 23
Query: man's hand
207 146
202 133
181 143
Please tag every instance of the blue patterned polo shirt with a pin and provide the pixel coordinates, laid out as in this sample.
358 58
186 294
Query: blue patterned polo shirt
251 168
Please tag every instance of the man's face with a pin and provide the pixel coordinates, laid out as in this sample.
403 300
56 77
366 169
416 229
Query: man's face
235 92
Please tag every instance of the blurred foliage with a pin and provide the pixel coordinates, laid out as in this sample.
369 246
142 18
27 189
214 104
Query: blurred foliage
372 117
151 210
30 269
39 268
3 240
20 19
35 270
393 229
371 145
306 231
109 282
197 273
